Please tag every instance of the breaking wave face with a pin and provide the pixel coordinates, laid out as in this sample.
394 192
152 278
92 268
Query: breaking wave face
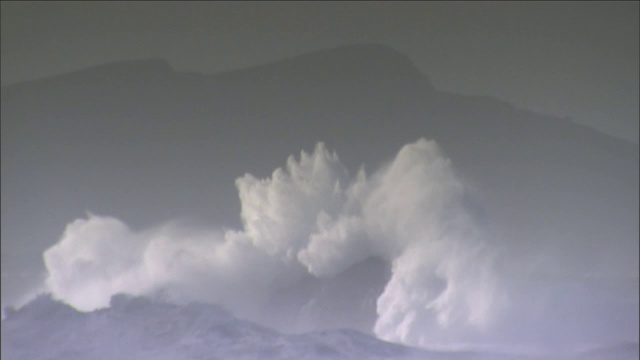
309 222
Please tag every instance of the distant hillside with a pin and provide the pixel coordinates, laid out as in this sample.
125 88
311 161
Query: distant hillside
147 144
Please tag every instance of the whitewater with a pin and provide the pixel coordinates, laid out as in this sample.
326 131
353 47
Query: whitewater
397 253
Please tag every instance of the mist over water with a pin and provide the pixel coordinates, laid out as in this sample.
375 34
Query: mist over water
313 222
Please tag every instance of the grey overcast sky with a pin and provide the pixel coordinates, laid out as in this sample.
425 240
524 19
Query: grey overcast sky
569 59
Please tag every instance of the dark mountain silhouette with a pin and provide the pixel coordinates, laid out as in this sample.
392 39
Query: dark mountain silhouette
142 142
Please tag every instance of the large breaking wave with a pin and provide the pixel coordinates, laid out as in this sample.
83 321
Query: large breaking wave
313 220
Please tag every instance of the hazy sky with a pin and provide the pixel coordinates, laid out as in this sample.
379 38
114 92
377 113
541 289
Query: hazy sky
575 59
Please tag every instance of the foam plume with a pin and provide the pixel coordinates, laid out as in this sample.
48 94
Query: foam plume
308 220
